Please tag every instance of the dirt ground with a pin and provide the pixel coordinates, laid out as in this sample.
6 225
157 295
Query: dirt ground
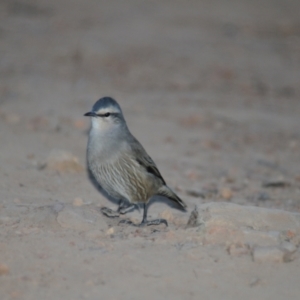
212 91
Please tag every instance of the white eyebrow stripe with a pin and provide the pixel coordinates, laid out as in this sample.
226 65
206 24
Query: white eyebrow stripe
111 110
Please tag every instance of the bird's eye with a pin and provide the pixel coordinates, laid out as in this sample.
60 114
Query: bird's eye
106 115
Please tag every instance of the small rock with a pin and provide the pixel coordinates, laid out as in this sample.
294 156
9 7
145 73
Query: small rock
77 202
226 193
63 162
289 250
80 124
110 231
290 236
268 254
167 215
289 247
4 270
193 219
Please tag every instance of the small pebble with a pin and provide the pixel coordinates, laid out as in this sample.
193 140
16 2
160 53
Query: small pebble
80 124
4 270
63 162
226 193
110 231
167 215
193 219
77 202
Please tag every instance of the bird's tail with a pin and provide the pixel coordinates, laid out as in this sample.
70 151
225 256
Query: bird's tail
167 192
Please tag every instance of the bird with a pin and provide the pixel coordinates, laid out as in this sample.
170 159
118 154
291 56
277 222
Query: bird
120 165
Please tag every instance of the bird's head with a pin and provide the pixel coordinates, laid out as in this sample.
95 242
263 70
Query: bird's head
106 115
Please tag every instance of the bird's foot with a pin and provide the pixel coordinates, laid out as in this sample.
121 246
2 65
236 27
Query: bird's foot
154 222
109 212
128 222
144 223
125 209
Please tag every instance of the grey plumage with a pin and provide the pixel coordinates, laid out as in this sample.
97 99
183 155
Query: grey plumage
119 163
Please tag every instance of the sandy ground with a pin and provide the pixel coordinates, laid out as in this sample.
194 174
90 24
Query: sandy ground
210 88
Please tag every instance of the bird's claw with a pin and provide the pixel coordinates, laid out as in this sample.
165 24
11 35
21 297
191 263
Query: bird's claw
128 222
154 222
109 212
144 223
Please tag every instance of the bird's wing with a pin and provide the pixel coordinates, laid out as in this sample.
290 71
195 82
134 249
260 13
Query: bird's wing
142 157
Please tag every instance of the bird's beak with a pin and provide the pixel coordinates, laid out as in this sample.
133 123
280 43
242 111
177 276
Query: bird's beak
90 114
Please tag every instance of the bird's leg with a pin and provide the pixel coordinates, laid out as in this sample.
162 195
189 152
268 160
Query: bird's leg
145 222
125 207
